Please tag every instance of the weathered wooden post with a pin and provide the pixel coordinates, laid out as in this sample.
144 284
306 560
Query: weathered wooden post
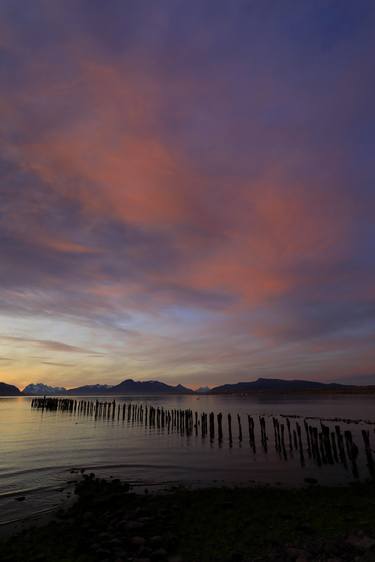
306 425
340 442
212 426
283 441
299 434
219 426
334 447
370 460
230 430
239 428
251 432
352 451
289 434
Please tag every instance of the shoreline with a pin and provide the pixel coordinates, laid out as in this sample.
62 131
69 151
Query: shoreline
108 522
138 488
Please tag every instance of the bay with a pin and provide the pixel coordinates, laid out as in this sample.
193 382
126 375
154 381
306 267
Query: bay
41 451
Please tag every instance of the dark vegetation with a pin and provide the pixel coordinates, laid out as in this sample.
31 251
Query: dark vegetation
110 523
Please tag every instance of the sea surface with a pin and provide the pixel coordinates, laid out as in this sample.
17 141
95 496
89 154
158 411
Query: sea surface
42 451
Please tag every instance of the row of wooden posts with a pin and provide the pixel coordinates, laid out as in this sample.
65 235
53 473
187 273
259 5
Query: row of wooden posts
323 445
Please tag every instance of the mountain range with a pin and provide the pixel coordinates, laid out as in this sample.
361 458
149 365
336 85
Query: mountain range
147 388
39 389
128 386
274 385
9 390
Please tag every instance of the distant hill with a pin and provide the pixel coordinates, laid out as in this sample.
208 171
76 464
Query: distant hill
90 389
130 386
147 388
40 389
279 385
9 390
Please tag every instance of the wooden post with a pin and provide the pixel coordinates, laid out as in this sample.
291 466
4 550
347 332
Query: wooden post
230 429
219 426
239 428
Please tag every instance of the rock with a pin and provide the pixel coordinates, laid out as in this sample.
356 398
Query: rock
115 542
170 540
309 480
138 541
88 516
104 536
145 520
134 525
236 557
102 552
159 554
120 554
227 504
361 541
156 540
305 528
296 554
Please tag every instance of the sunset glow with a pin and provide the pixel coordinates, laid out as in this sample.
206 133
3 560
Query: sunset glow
187 191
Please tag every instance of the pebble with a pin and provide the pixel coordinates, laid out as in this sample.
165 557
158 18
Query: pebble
157 539
115 542
296 554
305 528
88 516
309 480
134 525
159 554
138 541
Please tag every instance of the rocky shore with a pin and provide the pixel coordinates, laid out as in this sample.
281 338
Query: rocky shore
110 523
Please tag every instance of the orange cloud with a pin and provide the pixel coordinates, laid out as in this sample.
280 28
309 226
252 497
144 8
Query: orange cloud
276 229
247 237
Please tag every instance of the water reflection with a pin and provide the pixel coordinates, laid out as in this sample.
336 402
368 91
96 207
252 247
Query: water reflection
259 438
323 443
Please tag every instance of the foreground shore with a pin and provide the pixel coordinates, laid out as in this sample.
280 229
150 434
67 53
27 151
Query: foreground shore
109 523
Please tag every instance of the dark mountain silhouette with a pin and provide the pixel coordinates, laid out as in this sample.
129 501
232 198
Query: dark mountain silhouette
274 384
130 386
90 389
9 390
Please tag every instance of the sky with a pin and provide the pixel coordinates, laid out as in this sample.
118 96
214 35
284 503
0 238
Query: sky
186 190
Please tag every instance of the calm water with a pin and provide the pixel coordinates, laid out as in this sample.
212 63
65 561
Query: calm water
38 450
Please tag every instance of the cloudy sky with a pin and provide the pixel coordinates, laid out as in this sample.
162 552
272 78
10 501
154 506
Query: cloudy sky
186 190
